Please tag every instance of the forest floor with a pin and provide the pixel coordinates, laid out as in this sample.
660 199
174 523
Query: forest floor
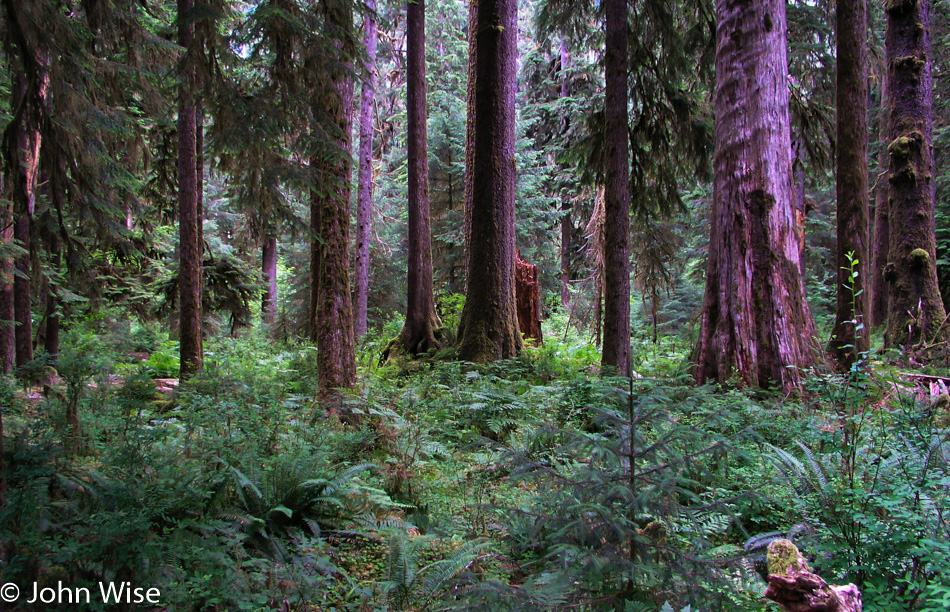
528 484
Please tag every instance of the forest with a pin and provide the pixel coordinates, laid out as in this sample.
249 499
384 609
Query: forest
634 305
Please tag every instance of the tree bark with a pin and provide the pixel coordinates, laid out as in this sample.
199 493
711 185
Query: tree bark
7 335
488 329
851 336
30 89
469 137
567 228
418 333
364 197
616 338
881 237
915 310
528 294
331 301
755 321
269 274
189 267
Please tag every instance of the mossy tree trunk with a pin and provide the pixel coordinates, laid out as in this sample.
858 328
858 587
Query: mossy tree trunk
418 333
616 334
488 329
567 207
364 190
190 248
915 310
851 333
331 303
756 324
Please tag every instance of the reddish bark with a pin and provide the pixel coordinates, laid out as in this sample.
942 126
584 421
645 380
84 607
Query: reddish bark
528 292
755 321
364 197
616 334
488 329
30 90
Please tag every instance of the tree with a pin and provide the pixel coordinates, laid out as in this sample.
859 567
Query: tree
330 302
418 332
488 328
850 336
616 340
189 248
916 313
755 321
364 190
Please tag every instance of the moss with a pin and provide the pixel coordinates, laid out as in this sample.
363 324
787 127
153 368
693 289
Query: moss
903 146
919 258
783 558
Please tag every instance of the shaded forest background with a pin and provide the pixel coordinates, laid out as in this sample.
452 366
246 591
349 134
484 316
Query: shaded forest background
219 378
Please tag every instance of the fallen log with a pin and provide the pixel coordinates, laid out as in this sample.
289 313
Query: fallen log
796 588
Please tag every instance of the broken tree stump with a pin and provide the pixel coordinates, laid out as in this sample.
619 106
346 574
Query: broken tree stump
528 300
794 587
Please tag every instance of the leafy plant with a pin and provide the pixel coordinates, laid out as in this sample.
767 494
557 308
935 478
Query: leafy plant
410 587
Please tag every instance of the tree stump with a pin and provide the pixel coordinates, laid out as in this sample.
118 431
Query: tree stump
528 298
794 587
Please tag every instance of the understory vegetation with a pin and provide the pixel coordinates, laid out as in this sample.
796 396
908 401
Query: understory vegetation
532 484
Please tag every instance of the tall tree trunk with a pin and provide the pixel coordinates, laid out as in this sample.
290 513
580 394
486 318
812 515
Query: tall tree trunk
851 333
200 208
364 192
30 89
7 335
418 333
616 340
269 273
469 136
51 342
488 329
915 310
332 309
567 228
189 267
881 235
755 321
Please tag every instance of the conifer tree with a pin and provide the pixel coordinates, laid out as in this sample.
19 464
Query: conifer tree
916 314
755 323
488 329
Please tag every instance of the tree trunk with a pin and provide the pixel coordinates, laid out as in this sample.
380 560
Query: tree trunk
881 236
616 340
755 321
469 136
364 197
528 293
7 335
269 273
488 329
851 333
189 267
567 227
332 309
418 333
915 310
